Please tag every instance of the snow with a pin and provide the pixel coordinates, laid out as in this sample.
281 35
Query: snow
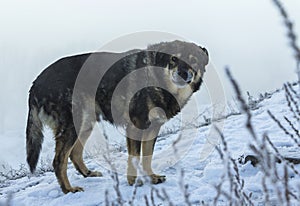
201 176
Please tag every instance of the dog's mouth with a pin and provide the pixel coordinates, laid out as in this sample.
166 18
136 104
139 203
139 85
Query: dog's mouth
182 77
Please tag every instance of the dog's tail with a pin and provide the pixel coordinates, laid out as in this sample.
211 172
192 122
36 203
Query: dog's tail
34 137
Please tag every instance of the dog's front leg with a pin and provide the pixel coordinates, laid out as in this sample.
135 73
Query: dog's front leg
148 143
134 151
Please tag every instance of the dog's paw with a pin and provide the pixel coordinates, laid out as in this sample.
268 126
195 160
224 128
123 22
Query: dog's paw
73 190
131 179
94 174
157 179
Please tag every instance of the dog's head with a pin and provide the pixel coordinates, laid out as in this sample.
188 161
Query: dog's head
185 62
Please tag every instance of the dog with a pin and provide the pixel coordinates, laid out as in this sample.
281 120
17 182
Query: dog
156 83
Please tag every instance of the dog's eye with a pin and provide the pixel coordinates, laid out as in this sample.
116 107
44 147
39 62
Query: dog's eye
174 59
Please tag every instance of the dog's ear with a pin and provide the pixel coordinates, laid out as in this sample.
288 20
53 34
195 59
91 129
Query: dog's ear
205 50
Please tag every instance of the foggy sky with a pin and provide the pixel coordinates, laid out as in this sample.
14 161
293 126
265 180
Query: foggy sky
248 36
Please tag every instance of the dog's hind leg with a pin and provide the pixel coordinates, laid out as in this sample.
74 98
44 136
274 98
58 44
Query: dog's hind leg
134 151
65 141
77 151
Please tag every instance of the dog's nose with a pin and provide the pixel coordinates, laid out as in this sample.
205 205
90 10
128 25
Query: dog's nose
186 75
183 74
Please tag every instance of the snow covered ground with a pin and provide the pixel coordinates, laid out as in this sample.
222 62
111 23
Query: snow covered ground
181 163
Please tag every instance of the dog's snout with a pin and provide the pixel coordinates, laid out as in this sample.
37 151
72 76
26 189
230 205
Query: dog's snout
186 75
183 74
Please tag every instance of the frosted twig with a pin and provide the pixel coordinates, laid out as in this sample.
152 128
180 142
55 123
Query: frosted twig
292 126
184 189
283 128
243 103
291 101
278 155
290 34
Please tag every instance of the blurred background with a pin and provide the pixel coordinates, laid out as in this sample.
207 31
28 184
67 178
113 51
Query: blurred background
248 36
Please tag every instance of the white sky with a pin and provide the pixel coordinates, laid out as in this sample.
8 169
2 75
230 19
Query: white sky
246 35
